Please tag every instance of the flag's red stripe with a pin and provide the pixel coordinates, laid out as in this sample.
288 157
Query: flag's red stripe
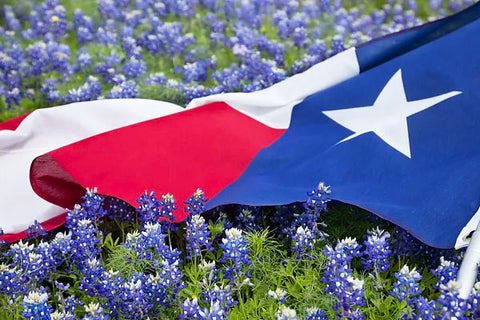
50 224
12 124
207 147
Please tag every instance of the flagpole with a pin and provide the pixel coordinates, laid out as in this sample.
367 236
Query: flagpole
467 274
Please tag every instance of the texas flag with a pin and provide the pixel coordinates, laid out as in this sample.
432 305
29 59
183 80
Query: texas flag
392 126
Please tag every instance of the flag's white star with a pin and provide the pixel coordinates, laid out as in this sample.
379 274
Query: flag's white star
387 118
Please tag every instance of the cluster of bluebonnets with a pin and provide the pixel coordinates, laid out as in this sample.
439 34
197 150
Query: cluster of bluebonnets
112 261
54 52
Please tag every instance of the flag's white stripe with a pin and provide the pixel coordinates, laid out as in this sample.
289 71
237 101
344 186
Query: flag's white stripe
47 129
273 106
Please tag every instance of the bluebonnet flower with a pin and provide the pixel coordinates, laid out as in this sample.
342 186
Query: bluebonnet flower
148 208
170 276
436 4
124 90
106 68
13 97
167 38
59 56
338 43
119 210
19 252
92 271
68 305
35 305
38 58
92 205
209 4
31 263
12 280
424 309
94 312
90 90
452 306
197 236
318 49
279 294
82 20
246 217
134 68
62 315
446 271
109 9
133 301
7 63
84 60
315 314
62 244
51 256
303 241
195 91
235 251
55 20
346 291
215 311
50 91
317 199
300 37
11 20
196 71
190 309
84 239
474 301
106 37
157 78
108 286
2 241
285 313
149 243
377 251
30 94
407 285
133 18
195 204
129 45
221 295
167 207
316 203
209 271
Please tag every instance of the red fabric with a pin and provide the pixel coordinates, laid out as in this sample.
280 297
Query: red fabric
50 224
12 124
207 147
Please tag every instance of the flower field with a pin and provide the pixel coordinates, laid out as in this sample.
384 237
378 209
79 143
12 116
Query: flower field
313 260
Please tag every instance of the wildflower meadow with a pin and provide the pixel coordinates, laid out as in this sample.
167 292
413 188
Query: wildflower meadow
314 260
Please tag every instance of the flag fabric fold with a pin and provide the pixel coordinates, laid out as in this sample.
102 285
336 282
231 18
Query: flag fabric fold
392 126
23 139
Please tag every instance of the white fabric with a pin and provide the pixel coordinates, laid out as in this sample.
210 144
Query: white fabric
45 130
273 106
387 117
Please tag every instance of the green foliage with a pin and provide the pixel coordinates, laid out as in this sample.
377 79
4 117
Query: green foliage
126 262
272 268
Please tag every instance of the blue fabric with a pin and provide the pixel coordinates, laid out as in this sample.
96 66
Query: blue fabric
433 194
388 47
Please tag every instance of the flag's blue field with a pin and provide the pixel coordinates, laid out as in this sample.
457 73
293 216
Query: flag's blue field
314 258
